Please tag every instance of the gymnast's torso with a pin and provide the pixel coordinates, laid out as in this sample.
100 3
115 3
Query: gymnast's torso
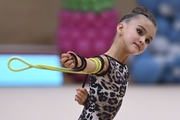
106 92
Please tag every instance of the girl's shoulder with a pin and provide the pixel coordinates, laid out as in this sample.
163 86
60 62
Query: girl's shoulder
111 63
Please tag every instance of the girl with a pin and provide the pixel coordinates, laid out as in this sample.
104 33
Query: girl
108 81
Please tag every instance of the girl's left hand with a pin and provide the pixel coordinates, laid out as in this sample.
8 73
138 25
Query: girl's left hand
81 96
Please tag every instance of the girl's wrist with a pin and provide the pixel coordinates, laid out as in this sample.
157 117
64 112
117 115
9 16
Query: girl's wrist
86 101
80 62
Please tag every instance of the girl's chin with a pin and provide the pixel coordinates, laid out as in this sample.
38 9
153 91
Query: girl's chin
135 52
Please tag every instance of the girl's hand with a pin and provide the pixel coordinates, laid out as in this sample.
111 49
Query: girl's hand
81 96
67 60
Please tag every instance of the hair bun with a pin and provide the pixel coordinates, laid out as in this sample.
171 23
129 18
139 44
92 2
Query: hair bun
139 10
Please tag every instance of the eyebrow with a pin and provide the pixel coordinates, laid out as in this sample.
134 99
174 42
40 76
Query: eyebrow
145 31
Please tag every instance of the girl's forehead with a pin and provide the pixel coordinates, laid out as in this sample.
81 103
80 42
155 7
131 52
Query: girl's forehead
146 24
142 20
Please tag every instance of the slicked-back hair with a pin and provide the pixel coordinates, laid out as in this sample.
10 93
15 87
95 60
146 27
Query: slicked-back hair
136 12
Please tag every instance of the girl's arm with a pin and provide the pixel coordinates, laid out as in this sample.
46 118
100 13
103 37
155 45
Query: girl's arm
71 60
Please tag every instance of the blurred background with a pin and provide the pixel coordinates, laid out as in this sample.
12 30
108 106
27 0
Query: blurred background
39 31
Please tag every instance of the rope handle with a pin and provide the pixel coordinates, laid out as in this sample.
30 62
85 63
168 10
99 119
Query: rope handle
42 66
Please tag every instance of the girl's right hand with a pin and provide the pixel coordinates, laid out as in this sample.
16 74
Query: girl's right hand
67 60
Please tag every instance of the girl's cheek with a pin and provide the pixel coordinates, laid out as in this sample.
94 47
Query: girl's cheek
134 35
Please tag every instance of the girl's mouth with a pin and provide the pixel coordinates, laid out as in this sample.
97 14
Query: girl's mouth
137 45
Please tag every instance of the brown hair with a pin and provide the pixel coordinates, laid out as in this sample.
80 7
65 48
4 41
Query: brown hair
140 10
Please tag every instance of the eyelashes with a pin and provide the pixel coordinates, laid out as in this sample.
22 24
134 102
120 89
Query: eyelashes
147 41
140 32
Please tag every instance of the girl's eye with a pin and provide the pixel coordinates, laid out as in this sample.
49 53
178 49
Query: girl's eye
147 41
139 31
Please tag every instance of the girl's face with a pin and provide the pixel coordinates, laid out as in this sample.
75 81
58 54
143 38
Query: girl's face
137 34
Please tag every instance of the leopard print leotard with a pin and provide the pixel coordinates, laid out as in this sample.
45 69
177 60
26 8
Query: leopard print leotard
106 92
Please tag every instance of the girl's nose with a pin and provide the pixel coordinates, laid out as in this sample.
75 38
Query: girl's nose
142 40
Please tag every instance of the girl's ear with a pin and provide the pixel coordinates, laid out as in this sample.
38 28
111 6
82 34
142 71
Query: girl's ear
119 28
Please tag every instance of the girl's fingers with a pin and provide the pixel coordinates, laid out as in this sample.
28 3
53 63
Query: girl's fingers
63 60
83 90
67 60
69 63
79 100
66 55
81 95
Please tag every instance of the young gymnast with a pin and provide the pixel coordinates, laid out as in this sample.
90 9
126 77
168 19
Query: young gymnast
109 73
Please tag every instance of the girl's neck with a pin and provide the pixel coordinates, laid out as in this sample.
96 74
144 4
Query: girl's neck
117 51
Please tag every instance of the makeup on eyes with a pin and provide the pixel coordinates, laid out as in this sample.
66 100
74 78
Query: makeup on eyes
145 31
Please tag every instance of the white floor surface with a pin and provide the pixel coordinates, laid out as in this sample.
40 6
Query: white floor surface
141 102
